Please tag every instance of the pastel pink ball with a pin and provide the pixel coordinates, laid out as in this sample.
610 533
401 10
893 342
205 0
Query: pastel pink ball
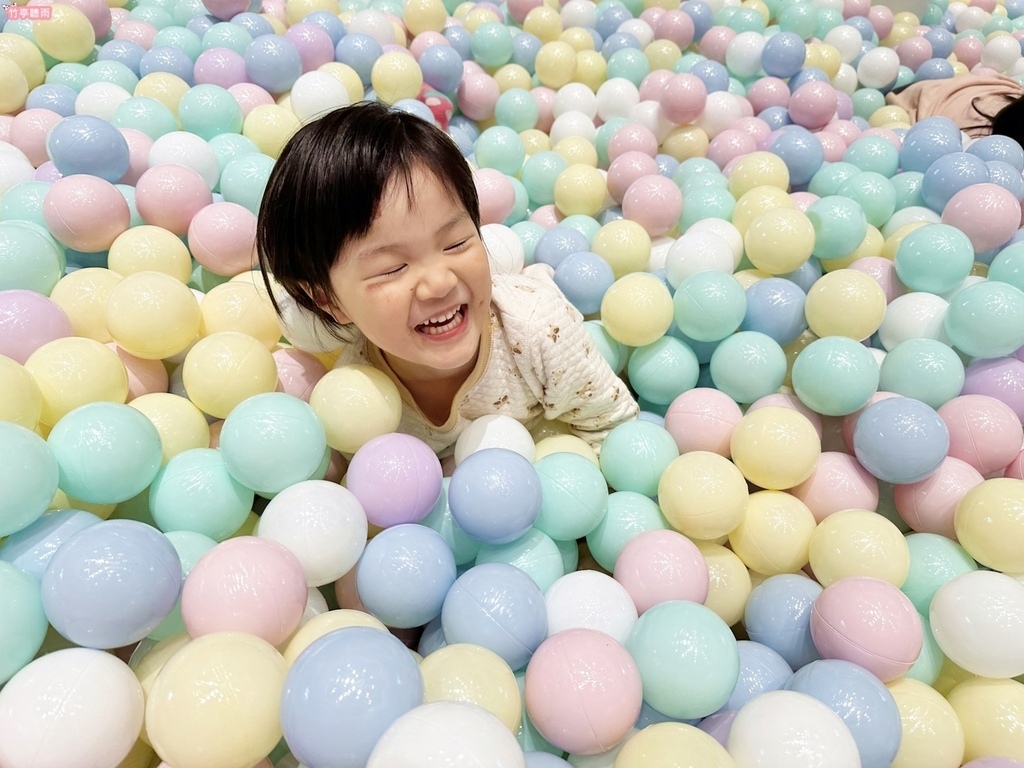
768 92
983 431
715 42
396 478
28 133
139 145
545 98
661 565
138 32
928 506
632 138
883 272
652 84
653 202
249 96
683 98
220 66
987 213
868 622
225 9
313 44
85 212
169 196
222 237
729 145
881 19
97 12
246 584
703 419
968 50
28 320
914 51
627 168
496 193
676 26
838 482
1016 467
783 400
583 691
297 372
144 376
812 105
832 145
477 94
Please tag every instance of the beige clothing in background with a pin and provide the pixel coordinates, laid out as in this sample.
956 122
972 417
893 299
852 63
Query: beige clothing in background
966 100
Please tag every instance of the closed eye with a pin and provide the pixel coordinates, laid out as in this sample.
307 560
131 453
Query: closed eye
392 272
457 246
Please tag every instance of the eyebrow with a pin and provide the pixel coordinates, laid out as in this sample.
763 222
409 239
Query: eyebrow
384 248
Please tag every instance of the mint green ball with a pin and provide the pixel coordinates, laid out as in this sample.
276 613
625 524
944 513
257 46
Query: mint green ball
534 553
635 454
144 114
748 366
209 110
574 495
934 561
245 178
22 620
627 515
835 376
24 202
935 258
924 369
30 257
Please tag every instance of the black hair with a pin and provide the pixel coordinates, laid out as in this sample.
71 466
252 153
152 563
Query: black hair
327 187
1007 121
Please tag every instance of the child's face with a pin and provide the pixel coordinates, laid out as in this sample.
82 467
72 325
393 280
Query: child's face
418 284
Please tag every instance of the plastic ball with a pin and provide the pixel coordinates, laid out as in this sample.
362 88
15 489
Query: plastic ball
775 533
845 302
778 615
620 315
665 743
986 708
590 600
626 246
702 419
621 452
152 315
70 206
900 440
224 369
924 369
932 734
858 542
775 448
499 607
574 495
846 624
324 624
981 320
654 202
355 403
779 240
929 505
702 495
983 431
180 424
82 691
916 315
76 371
483 482
950 174
169 196
761 670
657 642
747 366
271 605
986 520
494 431
22 609
835 376
709 306
934 258
678 573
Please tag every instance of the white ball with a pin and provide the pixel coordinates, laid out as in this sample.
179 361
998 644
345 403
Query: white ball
978 621
917 315
832 5
590 600
956 8
743 54
495 431
878 67
74 707
1001 53
372 23
909 215
972 18
447 733
697 252
575 97
846 40
100 100
579 13
786 728
659 252
726 230
573 123
14 167
315 94
639 29
504 249
845 79
616 98
650 115
323 525
184 148
302 328
721 111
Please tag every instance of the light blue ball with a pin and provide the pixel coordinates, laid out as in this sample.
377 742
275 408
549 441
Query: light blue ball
544 760
111 584
761 670
328 22
85 144
650 716
778 615
584 278
927 141
499 607
271 441
775 307
124 52
934 561
634 456
535 554
460 39
524 50
802 153
986 319
107 452
1006 176
432 638
662 371
168 59
626 515
359 676
709 305
404 574
900 440
835 376
574 495
22 620
495 495
924 369
862 702
252 23
442 68
463 546
54 97
32 547
805 275
747 366
948 175
273 63
1001 148
557 244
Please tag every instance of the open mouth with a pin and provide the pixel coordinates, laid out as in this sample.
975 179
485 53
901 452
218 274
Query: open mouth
443 323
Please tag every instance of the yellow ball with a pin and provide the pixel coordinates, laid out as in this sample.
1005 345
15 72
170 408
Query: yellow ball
758 169
779 241
15 90
477 17
989 523
625 245
662 54
932 734
576 150
565 444
591 69
775 533
67 35
672 745
845 303
22 402
991 713
297 10
74 371
871 245
240 306
475 675
320 625
83 295
269 127
885 116
728 582
858 542
555 64
775 448
578 38
513 76
216 702
829 59
756 201
28 58
637 309
580 189
164 87
152 315
150 249
356 403
747 277
703 495
545 23
950 676
224 369
180 424
535 141
347 77
148 664
894 239
424 16
396 75
758 6
684 142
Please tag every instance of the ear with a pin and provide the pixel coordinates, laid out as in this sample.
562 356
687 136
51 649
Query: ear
326 303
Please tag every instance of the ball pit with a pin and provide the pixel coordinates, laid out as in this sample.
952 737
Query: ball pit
817 302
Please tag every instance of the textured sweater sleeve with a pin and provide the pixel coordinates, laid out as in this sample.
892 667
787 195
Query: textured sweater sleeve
560 362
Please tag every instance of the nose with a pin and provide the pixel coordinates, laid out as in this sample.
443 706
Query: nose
436 281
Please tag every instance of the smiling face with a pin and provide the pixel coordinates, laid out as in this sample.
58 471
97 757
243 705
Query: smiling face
418 284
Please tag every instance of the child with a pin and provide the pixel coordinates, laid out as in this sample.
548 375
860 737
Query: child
370 221
980 104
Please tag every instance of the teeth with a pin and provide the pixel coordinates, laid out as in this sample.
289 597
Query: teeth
442 323
443 318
